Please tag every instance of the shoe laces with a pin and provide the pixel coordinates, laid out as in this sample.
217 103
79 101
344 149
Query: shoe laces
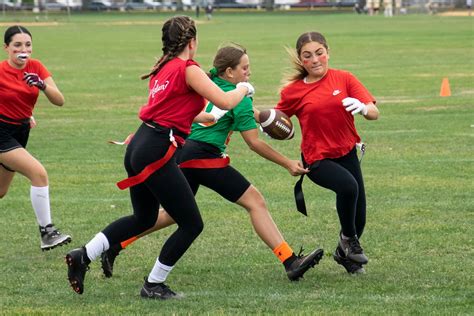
83 262
54 233
355 245
49 230
300 253
165 288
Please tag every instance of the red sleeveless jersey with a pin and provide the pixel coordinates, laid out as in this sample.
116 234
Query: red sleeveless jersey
17 99
171 102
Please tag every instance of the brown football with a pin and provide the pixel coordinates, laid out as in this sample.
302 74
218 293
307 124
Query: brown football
276 124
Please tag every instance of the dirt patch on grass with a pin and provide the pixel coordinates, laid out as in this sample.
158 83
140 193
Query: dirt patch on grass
126 23
29 23
450 75
433 108
383 100
119 23
454 13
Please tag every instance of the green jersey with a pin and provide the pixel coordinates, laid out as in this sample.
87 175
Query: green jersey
238 119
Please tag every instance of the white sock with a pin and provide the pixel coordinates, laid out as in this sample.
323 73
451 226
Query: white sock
97 246
40 202
159 273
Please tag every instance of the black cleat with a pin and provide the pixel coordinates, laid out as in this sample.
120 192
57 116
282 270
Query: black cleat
107 259
302 263
77 267
352 250
351 267
159 291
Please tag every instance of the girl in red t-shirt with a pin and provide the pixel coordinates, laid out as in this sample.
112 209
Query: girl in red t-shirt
325 101
177 89
21 80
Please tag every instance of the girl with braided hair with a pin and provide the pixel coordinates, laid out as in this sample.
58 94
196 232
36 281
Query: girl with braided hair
204 162
178 88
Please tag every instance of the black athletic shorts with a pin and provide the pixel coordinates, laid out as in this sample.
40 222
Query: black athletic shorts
13 136
227 181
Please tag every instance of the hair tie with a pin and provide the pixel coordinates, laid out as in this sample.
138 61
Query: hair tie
213 72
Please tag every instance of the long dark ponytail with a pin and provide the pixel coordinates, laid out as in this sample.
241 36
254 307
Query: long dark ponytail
176 34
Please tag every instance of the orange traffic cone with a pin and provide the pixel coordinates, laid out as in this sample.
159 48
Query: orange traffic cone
445 89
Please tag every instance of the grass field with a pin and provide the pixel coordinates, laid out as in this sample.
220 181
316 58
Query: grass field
418 171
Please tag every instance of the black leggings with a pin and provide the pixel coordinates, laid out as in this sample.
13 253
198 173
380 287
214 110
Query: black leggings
344 176
166 187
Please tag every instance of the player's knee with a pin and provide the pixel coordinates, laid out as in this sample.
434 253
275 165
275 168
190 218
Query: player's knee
144 220
147 221
191 227
39 177
146 225
260 202
351 188
197 228
253 200
258 205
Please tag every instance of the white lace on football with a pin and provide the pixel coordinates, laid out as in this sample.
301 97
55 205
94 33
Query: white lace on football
282 126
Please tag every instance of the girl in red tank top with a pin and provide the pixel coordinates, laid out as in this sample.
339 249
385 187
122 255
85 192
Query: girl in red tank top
177 89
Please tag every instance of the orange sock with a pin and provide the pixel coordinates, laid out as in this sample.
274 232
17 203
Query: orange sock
127 242
283 251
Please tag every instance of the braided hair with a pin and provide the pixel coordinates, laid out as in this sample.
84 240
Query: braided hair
177 32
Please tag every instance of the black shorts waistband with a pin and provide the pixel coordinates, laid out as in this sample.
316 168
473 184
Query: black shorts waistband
215 151
166 130
8 120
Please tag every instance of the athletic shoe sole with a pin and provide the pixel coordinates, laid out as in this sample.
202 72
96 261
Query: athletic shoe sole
73 269
353 268
63 241
297 274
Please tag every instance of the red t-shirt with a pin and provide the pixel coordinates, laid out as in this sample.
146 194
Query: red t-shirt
17 99
171 102
328 129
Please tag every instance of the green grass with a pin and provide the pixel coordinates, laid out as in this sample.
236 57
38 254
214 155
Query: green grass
418 173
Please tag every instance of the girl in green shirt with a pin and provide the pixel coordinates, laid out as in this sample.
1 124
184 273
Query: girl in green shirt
204 162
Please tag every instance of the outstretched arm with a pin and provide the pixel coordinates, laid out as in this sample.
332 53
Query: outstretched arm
368 110
256 144
372 111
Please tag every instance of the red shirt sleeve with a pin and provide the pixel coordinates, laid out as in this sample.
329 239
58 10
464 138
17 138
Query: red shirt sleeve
43 71
357 90
17 99
289 101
